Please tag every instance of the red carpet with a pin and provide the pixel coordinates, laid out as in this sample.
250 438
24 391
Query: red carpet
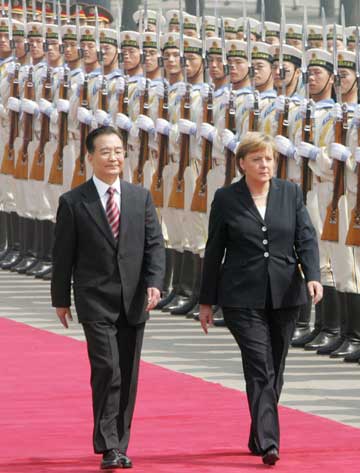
181 422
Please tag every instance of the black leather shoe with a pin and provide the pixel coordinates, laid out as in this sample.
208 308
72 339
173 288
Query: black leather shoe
32 271
10 260
346 348
321 339
114 459
178 301
330 347
165 300
271 456
24 265
304 339
300 332
194 312
46 269
353 357
186 308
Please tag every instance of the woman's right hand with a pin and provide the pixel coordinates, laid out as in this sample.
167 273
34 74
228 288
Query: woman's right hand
206 316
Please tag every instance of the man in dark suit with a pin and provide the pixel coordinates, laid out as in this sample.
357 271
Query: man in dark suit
108 239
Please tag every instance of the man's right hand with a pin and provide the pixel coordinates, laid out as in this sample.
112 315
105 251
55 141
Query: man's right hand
63 313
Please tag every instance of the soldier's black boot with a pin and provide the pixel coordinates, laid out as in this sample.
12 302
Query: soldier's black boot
330 315
195 292
14 255
39 248
306 338
303 333
174 294
168 292
351 342
334 344
48 229
4 247
184 288
28 250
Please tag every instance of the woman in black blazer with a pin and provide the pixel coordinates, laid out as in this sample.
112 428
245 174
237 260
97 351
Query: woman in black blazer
260 234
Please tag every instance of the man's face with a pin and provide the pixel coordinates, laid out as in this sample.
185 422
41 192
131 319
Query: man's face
193 64
70 50
109 53
4 43
289 69
318 79
238 69
215 65
262 71
172 61
297 43
36 48
348 77
272 40
19 47
151 59
89 52
107 158
53 51
131 57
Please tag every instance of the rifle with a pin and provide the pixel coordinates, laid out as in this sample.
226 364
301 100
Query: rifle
22 162
255 111
230 170
79 176
38 165
331 223
138 175
123 106
8 162
157 184
57 166
199 200
353 234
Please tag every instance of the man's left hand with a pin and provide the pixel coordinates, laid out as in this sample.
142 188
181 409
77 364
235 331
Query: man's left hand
153 297
315 291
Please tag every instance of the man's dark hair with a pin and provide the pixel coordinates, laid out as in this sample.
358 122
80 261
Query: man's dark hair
103 130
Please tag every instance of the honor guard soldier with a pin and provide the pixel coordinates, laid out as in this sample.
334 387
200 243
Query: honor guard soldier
294 35
241 26
350 33
172 20
272 32
315 37
211 26
152 18
340 37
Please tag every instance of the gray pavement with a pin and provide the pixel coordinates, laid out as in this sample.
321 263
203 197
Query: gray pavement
325 387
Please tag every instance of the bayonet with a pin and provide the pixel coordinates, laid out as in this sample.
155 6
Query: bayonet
216 15
61 49
141 31
343 24
43 20
203 47
33 6
181 42
97 39
198 26
158 41
281 51
26 42
336 71
78 32
263 21
304 31
68 12
11 39
223 47
3 8
357 51
145 18
324 28
244 16
54 12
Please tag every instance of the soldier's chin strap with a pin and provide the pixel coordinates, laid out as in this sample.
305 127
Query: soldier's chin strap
197 73
291 81
322 90
266 82
351 88
241 80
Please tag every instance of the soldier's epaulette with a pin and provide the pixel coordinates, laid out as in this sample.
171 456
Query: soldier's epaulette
196 87
155 82
113 74
243 91
75 72
324 104
268 94
94 73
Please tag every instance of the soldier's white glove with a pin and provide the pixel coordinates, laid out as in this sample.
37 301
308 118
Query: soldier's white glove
284 146
280 103
357 154
145 123
159 90
162 126
339 152
229 140
120 85
249 102
187 127
54 115
102 118
307 150
85 116
123 122
11 68
204 91
207 131
336 112
45 107
303 107
30 106
141 84
3 112
63 105
181 89
14 104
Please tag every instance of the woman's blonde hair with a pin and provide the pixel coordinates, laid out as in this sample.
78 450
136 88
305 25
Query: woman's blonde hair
253 141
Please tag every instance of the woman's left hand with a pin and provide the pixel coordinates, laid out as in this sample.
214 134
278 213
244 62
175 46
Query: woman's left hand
206 316
315 291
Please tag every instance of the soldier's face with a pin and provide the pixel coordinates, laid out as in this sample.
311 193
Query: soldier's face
215 65
229 35
262 72
4 43
348 79
339 44
319 79
53 52
238 69
210 34
175 28
351 46
272 40
36 48
109 53
89 52
172 61
151 27
151 60
107 158
193 64
315 43
297 43
289 69
70 51
131 58
190 32
20 47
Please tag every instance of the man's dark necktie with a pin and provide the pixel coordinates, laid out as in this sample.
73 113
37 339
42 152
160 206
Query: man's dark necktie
113 212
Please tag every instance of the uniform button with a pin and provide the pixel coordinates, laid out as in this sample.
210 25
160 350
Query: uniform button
265 242
263 229
266 254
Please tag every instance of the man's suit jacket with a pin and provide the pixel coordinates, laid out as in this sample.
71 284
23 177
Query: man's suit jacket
259 250
108 276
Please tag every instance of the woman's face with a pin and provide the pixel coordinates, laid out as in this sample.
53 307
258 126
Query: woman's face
258 166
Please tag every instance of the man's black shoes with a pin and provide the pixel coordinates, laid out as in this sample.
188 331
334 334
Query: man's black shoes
114 459
271 456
